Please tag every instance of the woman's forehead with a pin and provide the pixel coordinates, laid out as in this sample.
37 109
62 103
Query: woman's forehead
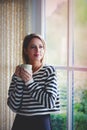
36 41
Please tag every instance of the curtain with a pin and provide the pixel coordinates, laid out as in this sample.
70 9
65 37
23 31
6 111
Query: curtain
12 32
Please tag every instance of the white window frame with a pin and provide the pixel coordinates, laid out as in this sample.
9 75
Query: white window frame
38 25
35 20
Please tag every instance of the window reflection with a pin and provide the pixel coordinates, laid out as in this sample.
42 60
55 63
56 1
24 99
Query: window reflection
80 32
56 31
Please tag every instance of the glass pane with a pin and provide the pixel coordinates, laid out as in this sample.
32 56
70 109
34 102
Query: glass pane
56 31
80 30
59 120
80 101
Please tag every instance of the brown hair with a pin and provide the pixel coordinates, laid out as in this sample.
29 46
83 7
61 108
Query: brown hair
26 42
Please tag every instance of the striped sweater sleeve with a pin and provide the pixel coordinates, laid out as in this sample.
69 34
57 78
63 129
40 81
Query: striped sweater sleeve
45 94
15 94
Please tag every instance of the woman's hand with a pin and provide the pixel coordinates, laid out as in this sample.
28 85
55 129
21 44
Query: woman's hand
25 76
17 71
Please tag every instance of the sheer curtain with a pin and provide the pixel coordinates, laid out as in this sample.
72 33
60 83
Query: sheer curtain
12 31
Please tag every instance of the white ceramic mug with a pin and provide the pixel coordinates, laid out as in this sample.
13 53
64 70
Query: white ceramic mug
27 67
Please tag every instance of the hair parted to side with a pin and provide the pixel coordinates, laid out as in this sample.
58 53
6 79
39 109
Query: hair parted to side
26 41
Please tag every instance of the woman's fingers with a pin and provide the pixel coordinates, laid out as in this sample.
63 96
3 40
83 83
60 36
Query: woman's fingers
26 76
17 71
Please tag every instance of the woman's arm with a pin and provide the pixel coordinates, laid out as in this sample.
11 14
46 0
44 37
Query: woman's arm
15 93
46 94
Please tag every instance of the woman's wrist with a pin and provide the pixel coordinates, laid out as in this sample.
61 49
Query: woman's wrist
29 81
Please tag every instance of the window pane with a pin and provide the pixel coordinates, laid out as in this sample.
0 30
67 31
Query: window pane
56 31
80 101
59 120
80 30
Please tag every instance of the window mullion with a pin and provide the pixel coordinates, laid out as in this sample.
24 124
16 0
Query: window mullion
70 62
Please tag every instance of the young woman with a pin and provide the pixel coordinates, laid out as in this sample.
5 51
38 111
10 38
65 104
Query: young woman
33 96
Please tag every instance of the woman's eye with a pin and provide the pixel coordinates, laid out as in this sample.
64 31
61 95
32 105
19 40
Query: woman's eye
32 47
40 46
35 47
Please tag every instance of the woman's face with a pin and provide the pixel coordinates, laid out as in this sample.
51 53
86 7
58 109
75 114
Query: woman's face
35 50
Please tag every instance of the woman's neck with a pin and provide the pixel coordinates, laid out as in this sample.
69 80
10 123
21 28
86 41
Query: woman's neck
36 66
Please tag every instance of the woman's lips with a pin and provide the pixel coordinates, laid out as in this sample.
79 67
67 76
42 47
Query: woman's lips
36 55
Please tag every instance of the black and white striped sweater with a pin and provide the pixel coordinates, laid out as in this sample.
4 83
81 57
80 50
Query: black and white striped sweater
36 97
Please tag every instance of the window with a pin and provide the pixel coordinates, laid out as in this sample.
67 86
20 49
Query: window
66 30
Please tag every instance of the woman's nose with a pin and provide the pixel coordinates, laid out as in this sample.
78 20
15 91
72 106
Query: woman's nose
37 49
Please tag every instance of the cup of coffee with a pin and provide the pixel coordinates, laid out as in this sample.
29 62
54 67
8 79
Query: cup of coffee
27 67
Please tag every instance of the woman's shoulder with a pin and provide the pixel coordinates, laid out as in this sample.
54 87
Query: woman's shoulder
49 68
